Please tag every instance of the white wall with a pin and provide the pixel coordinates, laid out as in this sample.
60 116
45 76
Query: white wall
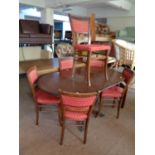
116 19
112 12
21 15
117 23
66 27
29 12
47 16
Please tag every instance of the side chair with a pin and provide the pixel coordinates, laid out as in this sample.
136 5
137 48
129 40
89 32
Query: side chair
40 97
75 107
83 26
116 93
65 63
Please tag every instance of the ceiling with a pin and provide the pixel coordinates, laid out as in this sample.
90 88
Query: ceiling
88 4
120 4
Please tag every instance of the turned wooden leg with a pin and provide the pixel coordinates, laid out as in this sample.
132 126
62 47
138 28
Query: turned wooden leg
88 68
106 70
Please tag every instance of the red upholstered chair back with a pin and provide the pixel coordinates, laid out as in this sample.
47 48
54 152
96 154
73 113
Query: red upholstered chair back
80 25
66 63
32 76
77 103
128 75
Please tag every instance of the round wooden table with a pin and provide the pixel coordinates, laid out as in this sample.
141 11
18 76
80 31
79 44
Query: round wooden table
64 80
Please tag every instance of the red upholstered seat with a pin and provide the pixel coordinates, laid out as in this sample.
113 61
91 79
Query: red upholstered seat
45 98
75 116
114 91
91 47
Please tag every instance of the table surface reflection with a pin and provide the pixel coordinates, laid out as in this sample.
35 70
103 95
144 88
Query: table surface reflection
64 80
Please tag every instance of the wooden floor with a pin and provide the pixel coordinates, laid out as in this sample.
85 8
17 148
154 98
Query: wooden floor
106 135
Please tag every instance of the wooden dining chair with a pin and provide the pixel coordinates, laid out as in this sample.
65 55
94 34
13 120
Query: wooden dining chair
65 63
75 107
117 93
40 97
83 26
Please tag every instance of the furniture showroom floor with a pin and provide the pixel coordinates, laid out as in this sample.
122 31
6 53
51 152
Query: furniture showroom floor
106 135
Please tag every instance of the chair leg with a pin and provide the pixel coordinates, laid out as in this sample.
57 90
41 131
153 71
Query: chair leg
86 131
124 99
88 68
96 105
118 107
62 132
106 71
59 118
37 115
100 106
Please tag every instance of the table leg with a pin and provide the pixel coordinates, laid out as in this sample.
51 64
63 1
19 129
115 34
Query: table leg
100 106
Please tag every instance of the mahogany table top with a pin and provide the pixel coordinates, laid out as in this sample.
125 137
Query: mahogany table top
64 80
